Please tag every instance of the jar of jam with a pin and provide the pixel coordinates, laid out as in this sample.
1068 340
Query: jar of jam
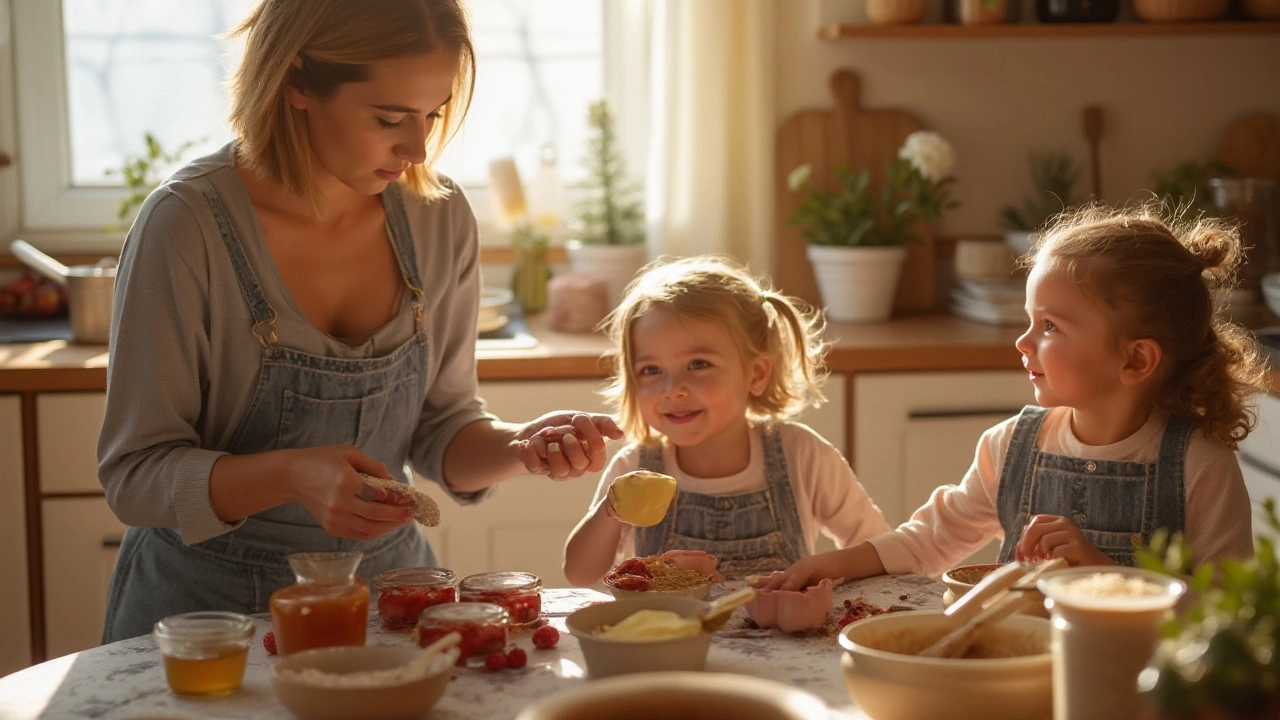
403 594
328 605
483 627
204 652
519 592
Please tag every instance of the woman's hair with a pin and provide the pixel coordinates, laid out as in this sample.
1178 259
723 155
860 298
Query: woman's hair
337 42
758 320
1165 277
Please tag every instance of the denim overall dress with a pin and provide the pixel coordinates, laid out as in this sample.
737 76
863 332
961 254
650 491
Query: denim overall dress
301 401
1116 504
752 533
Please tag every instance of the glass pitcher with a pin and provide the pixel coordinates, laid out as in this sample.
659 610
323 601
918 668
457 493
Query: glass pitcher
328 605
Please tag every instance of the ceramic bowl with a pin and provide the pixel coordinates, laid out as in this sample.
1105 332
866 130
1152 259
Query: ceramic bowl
605 656
883 675
492 302
984 260
696 592
1271 292
319 697
678 695
792 610
960 580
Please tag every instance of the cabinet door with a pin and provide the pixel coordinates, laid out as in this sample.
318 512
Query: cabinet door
15 613
68 425
81 538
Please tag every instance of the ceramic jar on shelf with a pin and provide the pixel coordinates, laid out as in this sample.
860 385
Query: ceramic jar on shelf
895 12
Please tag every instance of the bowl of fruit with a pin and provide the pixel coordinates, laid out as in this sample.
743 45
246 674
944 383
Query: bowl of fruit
682 573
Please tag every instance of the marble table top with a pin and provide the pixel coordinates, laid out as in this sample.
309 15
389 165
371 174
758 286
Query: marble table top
126 679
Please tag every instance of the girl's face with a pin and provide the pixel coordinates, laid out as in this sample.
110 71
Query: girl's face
1069 348
692 385
367 133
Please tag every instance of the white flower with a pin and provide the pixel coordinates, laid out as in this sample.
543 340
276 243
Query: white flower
799 176
929 154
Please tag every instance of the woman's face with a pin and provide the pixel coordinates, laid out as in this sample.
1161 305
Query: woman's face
367 133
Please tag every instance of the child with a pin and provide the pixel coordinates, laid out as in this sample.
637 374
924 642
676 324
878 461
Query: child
1142 385
708 364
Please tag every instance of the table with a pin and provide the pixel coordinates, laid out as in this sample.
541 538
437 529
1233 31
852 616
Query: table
126 679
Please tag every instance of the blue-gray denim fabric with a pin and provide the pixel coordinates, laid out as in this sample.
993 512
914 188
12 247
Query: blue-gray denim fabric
300 401
1117 505
751 533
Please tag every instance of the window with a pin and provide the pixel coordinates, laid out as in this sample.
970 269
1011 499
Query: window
117 69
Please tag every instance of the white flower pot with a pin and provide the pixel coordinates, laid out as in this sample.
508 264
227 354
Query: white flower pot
858 284
617 264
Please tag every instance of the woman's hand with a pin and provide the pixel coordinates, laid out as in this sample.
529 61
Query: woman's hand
1053 536
565 445
326 481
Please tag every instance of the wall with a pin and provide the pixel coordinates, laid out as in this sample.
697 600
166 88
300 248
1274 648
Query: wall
1165 99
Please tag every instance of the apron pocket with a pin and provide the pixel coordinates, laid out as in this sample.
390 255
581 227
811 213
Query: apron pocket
309 422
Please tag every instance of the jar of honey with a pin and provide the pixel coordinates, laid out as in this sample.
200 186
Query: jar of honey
519 592
328 605
483 627
204 652
403 594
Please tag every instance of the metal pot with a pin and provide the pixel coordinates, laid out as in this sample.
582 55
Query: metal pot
89 291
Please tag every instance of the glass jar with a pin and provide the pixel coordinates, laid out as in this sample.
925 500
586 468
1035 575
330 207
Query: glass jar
1251 201
204 652
328 605
483 627
1106 622
519 592
403 594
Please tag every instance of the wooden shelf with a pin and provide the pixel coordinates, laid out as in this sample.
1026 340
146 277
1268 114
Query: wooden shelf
1041 30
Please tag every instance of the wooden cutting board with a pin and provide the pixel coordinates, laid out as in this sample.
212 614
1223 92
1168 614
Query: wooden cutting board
1251 146
858 139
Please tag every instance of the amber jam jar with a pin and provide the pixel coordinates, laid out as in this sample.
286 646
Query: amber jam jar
519 592
204 652
328 605
483 627
403 594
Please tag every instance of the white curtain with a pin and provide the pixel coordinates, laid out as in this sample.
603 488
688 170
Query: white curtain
709 186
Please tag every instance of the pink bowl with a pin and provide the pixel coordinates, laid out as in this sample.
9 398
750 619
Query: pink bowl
791 610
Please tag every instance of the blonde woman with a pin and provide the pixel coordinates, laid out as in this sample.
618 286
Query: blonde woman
299 308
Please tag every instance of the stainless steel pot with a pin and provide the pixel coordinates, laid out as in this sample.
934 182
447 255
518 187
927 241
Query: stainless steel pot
89 291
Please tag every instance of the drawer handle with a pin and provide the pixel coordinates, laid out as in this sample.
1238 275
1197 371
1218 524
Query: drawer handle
111 543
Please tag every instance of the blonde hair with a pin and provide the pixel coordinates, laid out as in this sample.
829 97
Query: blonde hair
337 41
1162 276
758 320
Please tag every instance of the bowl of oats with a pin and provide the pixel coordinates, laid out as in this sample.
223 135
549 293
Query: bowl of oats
676 573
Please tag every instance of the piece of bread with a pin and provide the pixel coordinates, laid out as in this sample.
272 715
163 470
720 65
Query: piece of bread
425 510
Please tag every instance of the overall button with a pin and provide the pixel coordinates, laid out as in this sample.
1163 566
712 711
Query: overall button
1079 518
724 504
1090 466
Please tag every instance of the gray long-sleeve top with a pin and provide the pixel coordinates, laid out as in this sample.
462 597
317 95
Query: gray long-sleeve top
184 361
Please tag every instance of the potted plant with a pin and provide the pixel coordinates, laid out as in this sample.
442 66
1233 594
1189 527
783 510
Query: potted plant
857 237
1185 186
1053 179
608 222
142 173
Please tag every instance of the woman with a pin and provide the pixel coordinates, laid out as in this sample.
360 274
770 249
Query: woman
299 308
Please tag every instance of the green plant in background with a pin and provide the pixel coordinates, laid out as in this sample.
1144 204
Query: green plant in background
917 187
1223 652
142 173
1053 179
610 213
1184 188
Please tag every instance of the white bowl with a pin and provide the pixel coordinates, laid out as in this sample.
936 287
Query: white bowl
697 592
606 656
391 698
1271 292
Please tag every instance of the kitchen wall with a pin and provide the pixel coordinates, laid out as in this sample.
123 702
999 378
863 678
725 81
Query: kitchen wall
1165 99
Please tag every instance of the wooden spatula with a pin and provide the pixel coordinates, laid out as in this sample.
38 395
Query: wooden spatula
718 612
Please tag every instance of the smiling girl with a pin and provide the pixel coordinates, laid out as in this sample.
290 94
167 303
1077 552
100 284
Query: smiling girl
708 366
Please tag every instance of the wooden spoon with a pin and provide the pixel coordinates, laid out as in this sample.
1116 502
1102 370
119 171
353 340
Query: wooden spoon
715 615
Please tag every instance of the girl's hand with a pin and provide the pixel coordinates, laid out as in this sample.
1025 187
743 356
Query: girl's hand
1053 536
565 445
804 572
326 481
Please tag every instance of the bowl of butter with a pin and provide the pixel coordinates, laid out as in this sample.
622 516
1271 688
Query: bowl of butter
643 634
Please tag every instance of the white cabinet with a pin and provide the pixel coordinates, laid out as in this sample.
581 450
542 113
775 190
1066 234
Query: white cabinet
67 425
916 431
15 622
1260 459
81 538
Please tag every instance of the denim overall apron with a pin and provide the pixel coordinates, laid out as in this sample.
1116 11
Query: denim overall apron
1116 504
752 533
301 401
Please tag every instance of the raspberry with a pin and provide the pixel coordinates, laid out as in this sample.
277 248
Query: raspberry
517 658
269 642
496 662
546 637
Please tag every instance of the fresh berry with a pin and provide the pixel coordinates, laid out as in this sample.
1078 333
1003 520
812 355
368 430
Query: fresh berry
546 637
517 658
496 662
269 642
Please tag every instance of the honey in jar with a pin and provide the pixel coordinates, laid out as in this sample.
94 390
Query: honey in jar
328 605
204 652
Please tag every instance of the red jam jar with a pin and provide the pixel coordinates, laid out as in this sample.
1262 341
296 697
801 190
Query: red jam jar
403 594
519 592
483 627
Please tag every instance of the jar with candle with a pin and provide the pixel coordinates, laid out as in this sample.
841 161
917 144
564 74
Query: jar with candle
519 592
403 594
328 605
483 627
204 652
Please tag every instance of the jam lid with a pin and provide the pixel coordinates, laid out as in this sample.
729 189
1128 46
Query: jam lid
472 612
500 581
414 577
